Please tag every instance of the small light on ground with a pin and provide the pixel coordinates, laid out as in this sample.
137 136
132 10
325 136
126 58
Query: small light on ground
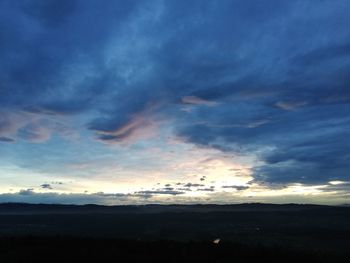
216 241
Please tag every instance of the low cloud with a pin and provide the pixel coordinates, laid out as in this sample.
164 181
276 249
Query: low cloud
46 186
29 191
193 185
159 192
6 139
206 189
237 187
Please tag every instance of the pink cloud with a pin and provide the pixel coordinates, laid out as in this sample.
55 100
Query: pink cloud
197 101
140 126
31 127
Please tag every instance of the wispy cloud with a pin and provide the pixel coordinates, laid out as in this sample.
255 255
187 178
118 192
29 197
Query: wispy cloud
193 100
285 105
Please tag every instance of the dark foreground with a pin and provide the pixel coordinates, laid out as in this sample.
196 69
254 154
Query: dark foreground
65 249
247 233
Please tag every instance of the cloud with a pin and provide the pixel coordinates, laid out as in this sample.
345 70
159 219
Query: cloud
144 194
324 53
46 186
136 128
333 194
31 127
193 185
193 100
206 189
159 192
6 139
45 43
186 189
140 125
57 182
29 196
237 187
290 105
25 192
304 159
50 13
34 133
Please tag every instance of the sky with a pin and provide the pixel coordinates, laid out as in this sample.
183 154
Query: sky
139 102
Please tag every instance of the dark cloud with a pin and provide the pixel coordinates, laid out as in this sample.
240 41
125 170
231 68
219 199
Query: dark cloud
50 12
323 54
116 195
168 188
320 158
237 187
6 139
46 186
25 192
193 185
45 45
30 196
186 189
57 182
159 192
342 188
206 189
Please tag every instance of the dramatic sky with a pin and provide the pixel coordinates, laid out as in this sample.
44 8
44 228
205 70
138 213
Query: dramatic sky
131 102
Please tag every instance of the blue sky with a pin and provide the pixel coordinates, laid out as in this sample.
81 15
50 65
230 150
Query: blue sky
131 102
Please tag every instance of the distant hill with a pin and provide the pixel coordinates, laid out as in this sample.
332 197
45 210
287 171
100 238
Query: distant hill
13 208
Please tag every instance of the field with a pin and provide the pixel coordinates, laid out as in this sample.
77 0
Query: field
154 232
